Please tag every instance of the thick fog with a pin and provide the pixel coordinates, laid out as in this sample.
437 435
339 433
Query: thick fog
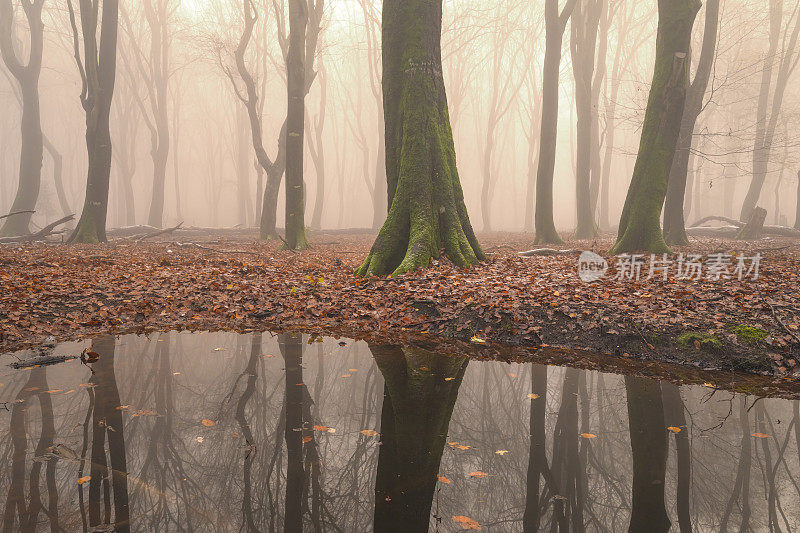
492 55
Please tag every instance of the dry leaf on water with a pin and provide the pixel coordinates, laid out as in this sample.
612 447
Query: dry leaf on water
467 523
444 480
674 429
478 474
369 432
208 423
588 435
760 435
84 479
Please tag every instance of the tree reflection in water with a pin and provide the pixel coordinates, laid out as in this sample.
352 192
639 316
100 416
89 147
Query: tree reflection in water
307 434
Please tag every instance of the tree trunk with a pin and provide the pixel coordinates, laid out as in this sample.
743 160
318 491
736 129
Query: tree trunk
754 227
295 126
797 205
674 223
640 224
243 195
555 25
427 210
417 406
649 449
583 44
100 64
317 149
31 153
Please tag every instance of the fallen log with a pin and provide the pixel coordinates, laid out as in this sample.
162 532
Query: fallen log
549 252
39 235
44 360
713 218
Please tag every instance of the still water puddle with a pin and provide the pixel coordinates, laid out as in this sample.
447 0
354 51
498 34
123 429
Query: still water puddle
228 432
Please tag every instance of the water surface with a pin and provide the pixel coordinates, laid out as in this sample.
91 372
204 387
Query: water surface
228 432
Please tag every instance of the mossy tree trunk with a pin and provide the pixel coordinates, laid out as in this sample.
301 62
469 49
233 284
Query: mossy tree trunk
674 212
555 24
27 76
295 126
427 210
640 224
98 73
417 405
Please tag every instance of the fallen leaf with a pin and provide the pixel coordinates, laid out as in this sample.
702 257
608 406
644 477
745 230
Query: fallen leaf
501 452
347 375
478 474
533 396
369 432
199 439
444 480
467 523
588 435
674 429
208 423
84 479
320 428
477 340
760 435
307 439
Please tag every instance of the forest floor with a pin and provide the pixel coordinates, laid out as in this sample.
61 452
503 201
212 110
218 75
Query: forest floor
508 306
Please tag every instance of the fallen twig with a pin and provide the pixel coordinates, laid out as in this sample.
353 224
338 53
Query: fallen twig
42 361
141 238
781 323
15 213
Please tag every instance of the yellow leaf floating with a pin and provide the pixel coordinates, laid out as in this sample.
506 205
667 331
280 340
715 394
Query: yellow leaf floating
320 428
467 523
674 429
444 480
369 432
463 447
760 435
307 439
477 340
347 375
208 423
533 396
588 435
449 379
501 452
478 474
84 479
709 385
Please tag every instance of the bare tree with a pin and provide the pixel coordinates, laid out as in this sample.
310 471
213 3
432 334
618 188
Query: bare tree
27 77
97 67
767 115
555 25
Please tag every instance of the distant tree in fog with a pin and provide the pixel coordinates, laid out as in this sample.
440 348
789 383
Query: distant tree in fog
555 25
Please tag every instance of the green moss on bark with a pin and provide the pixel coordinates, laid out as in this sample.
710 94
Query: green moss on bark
427 213
640 224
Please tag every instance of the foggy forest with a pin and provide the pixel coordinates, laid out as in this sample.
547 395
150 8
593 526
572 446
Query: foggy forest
538 261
